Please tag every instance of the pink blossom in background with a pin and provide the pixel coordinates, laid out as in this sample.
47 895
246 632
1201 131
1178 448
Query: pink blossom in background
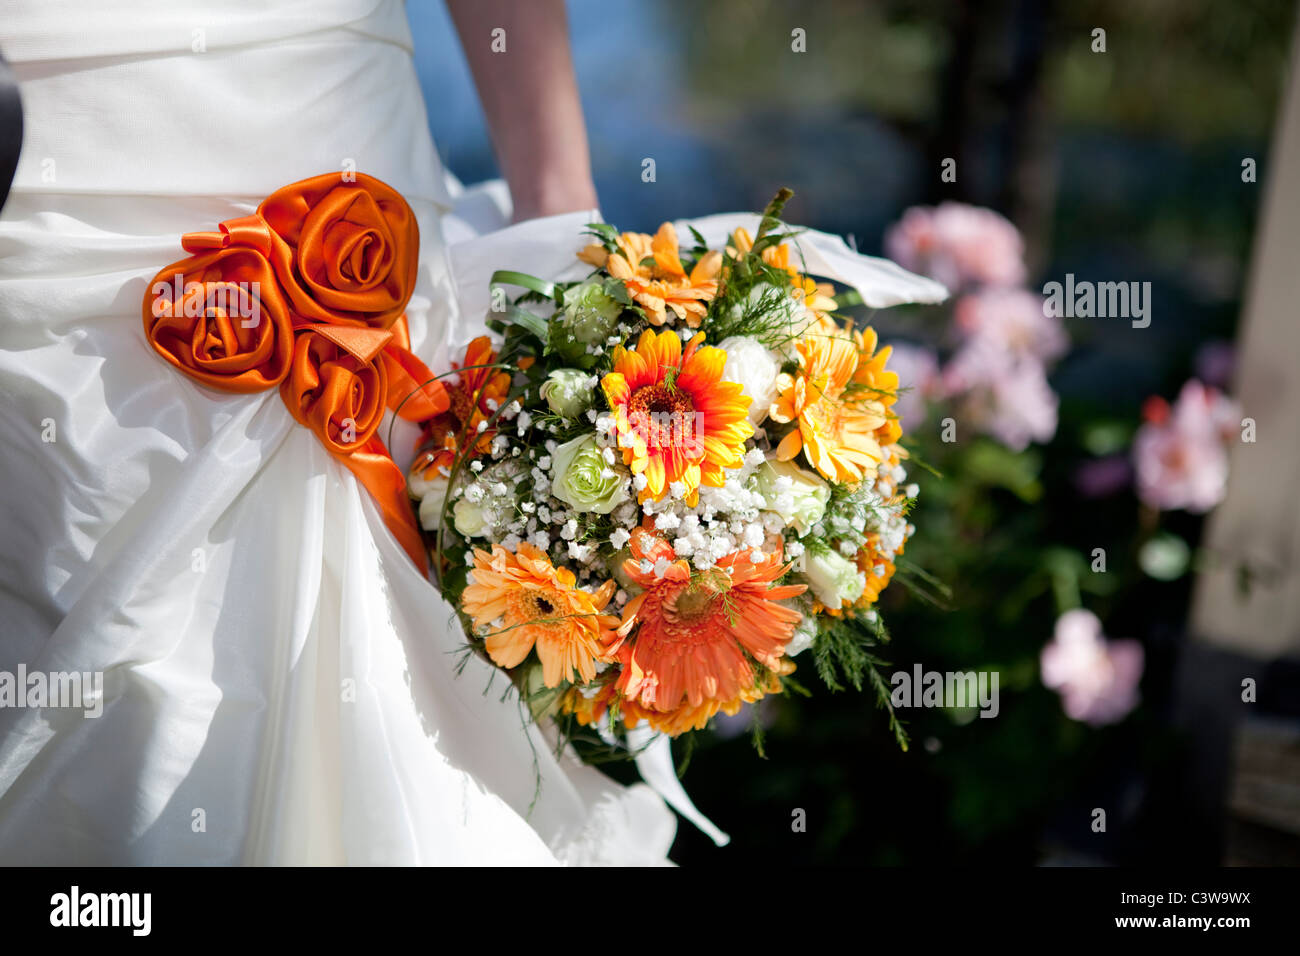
1180 453
1014 320
998 376
918 380
958 245
1096 678
1004 396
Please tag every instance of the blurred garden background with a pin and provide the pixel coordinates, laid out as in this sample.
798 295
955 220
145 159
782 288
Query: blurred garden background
1122 165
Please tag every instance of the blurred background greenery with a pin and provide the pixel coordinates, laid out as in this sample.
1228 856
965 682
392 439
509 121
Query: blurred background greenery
1117 165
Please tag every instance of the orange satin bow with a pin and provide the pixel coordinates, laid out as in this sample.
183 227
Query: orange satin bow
309 293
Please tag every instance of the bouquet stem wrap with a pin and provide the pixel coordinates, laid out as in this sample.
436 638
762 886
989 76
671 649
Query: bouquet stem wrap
309 294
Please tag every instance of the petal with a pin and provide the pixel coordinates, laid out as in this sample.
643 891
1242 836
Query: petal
789 446
664 248
655 476
708 267
616 389
509 647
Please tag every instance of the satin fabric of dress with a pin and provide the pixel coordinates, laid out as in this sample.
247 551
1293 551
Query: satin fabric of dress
280 683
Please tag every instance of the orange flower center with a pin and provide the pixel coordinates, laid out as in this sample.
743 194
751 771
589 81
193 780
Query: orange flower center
536 606
697 602
664 415
462 403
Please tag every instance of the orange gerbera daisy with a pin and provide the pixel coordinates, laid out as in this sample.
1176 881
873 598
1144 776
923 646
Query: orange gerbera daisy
693 631
676 419
652 271
473 399
836 431
524 601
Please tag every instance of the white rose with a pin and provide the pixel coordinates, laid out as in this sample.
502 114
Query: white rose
801 321
785 315
469 518
798 496
750 363
833 579
431 510
805 632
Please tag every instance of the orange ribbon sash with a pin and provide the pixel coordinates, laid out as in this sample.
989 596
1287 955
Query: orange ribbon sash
309 294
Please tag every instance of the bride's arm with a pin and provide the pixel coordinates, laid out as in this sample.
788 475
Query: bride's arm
531 100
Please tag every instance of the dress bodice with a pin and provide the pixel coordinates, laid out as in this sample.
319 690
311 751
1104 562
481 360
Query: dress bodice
241 96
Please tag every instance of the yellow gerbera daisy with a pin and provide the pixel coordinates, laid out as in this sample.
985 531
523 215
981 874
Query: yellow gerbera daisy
835 431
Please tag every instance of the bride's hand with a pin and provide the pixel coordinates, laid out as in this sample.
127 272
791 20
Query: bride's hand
530 97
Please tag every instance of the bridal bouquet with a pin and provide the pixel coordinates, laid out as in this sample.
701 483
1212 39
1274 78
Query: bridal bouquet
668 480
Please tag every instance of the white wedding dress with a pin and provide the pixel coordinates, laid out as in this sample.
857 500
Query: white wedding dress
280 683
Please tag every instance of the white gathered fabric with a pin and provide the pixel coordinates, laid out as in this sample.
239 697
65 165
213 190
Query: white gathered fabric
280 683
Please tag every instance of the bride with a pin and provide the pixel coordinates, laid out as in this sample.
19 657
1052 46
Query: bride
279 683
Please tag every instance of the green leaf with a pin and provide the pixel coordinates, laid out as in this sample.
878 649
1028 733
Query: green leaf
616 289
606 233
523 280
529 322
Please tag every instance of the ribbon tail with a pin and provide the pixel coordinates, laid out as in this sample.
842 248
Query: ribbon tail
380 476
655 763
413 392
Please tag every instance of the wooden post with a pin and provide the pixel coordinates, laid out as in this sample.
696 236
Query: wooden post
1254 536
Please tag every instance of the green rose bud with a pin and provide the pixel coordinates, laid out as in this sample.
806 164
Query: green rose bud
798 496
833 578
590 315
568 392
581 477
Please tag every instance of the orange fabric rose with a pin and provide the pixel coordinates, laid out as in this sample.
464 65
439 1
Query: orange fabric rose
221 318
345 252
338 384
